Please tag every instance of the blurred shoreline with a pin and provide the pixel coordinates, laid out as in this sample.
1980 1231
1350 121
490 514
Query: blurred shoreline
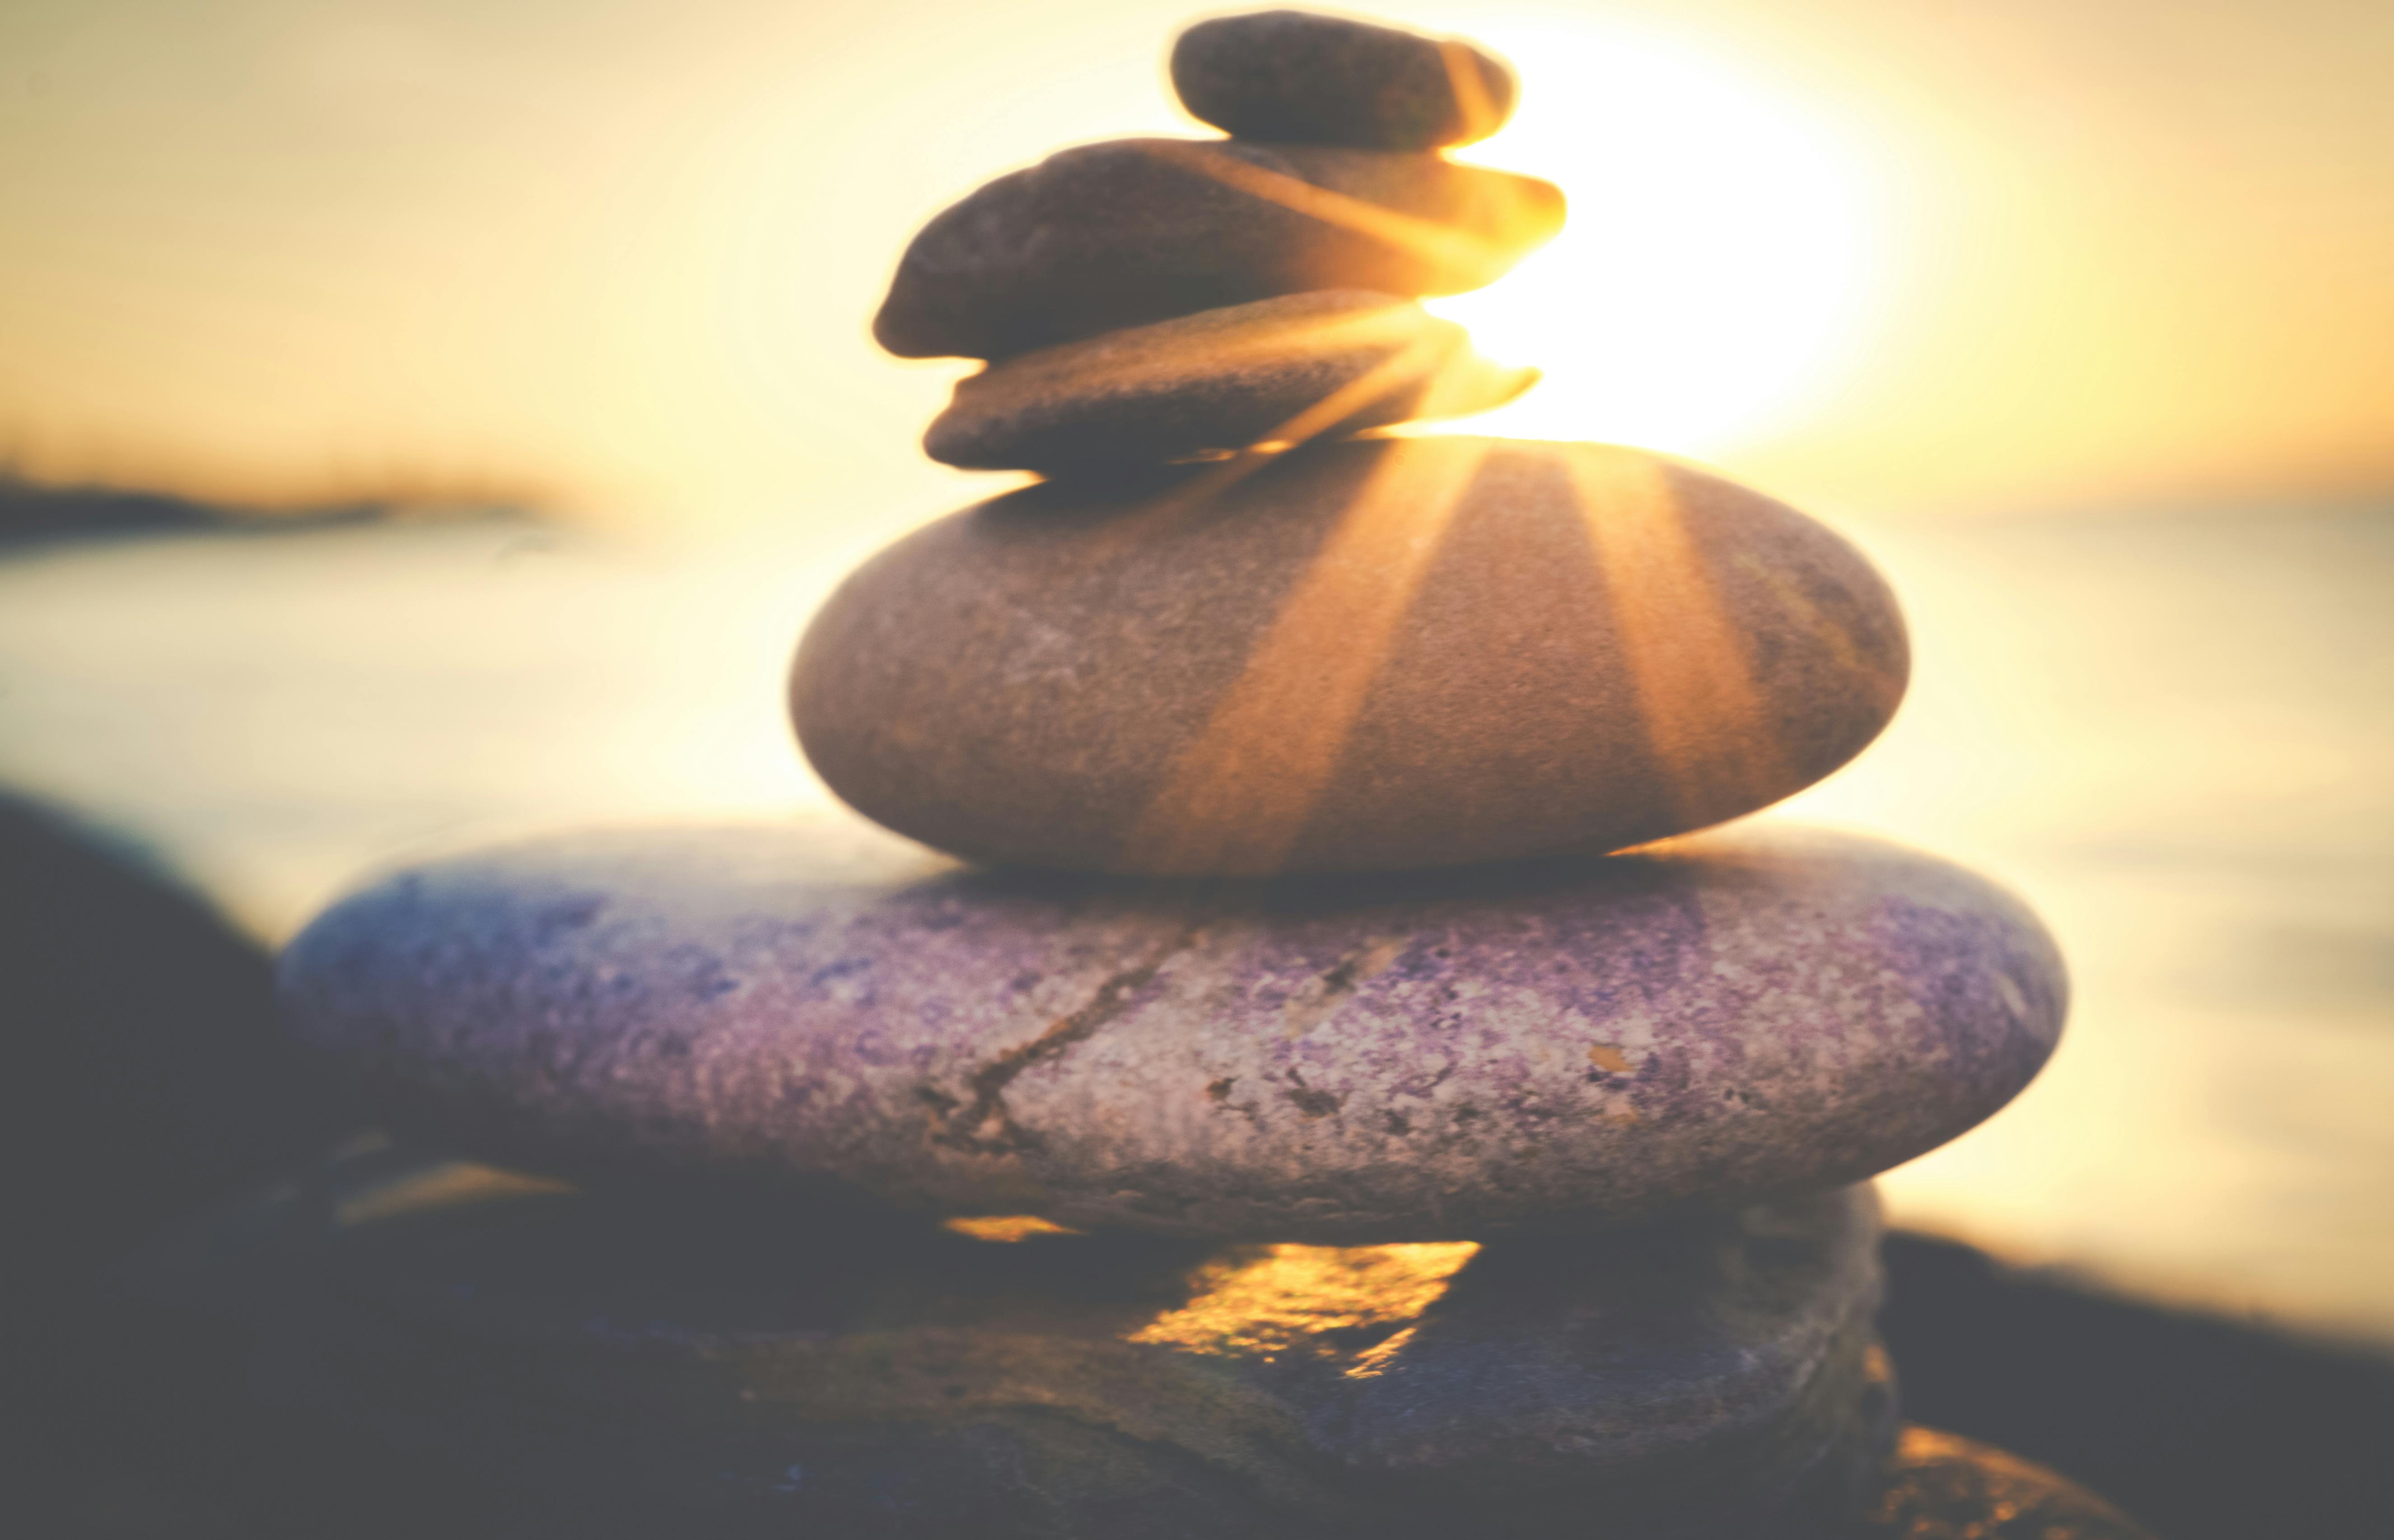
33 512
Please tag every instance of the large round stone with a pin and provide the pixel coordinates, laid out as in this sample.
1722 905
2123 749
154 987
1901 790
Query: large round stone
1940 1487
1368 655
1303 366
400 1347
1303 77
1429 1058
1128 231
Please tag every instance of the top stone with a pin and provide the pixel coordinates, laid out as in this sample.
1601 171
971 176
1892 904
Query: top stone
1303 78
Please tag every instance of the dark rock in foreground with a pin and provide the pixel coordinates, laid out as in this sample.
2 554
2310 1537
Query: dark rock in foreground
2204 1427
1940 1487
1130 232
1302 77
1432 1057
147 1073
1304 366
395 1347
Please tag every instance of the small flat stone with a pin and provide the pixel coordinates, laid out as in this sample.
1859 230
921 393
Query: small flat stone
1433 1057
1367 656
397 1345
1302 366
1302 77
1130 232
1941 1487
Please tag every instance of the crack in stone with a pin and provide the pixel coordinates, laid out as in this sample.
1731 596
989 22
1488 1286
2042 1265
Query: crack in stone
960 1126
1310 1102
1306 1010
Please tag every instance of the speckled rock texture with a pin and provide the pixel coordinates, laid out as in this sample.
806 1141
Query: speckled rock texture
1303 77
1302 366
409 1348
1368 655
1129 232
1445 1056
1941 1487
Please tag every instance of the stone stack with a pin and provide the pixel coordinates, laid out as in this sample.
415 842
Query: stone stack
1298 1122
1150 300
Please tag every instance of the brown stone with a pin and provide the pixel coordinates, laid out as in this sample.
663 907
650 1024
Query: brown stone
1135 231
1302 366
393 1346
1301 77
1941 1487
1367 656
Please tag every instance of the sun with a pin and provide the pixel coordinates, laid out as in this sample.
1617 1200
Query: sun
1724 248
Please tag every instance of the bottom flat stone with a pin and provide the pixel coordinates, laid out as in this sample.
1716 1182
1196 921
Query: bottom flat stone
1941 1487
397 1346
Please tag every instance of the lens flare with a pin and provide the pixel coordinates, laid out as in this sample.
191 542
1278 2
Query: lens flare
1723 247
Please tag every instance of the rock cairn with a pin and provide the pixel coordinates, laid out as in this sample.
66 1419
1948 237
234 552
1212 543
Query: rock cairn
1259 1142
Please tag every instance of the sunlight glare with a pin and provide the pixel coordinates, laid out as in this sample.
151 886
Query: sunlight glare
1722 245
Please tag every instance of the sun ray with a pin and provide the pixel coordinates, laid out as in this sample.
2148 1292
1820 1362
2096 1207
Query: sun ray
1726 257
1160 513
1431 240
1479 113
1237 798
1703 718
1389 375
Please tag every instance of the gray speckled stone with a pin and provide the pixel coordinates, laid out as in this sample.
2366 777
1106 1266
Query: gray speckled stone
1305 77
1302 366
1434 1057
1136 230
402 1347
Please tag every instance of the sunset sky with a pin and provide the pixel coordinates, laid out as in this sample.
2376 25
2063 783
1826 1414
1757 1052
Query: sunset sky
1872 253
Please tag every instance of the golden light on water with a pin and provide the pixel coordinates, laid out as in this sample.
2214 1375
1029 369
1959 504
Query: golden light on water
1288 1295
1724 251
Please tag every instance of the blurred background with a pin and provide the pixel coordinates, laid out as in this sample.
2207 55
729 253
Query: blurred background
429 416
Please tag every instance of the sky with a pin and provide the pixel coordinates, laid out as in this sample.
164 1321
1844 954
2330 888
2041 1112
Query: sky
619 256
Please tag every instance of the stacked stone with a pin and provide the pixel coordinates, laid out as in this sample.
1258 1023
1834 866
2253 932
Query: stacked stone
1297 1124
1149 301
